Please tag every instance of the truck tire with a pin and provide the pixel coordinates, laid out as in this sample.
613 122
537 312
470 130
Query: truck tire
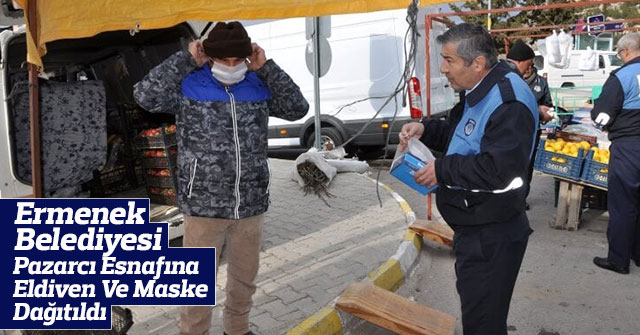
330 137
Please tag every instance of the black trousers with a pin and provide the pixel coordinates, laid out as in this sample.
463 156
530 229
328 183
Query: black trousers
623 231
488 260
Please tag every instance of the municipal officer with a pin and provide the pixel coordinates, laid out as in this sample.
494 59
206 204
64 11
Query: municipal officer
618 110
488 141
522 56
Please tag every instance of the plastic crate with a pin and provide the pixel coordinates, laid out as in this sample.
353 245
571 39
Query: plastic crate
160 181
595 173
160 162
571 168
110 182
159 142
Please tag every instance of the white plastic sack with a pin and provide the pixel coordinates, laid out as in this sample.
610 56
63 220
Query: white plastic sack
588 60
542 47
349 165
318 160
565 41
553 49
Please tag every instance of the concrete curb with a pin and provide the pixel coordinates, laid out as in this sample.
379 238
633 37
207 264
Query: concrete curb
390 276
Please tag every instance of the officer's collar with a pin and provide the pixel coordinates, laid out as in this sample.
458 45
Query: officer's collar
493 77
633 61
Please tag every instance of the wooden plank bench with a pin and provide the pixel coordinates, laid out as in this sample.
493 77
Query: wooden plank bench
394 312
434 231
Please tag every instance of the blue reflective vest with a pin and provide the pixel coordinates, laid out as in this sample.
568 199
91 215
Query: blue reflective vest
470 130
629 77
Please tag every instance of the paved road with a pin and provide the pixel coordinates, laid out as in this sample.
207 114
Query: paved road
559 290
310 253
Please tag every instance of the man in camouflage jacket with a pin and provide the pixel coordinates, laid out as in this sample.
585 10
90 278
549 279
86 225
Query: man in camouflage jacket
222 113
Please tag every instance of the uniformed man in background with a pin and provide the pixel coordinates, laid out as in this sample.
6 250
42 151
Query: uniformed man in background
618 110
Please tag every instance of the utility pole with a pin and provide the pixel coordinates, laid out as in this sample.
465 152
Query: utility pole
316 82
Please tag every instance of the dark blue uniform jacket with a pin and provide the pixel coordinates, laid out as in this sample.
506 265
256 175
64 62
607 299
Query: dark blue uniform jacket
497 155
620 98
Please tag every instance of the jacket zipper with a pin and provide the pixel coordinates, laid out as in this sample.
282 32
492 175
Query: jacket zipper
236 138
269 168
192 177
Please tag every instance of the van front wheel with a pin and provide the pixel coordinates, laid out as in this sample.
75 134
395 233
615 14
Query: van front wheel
330 138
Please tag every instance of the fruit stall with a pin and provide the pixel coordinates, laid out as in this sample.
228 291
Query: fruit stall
580 164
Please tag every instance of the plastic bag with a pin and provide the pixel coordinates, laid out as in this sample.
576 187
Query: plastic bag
349 165
416 148
409 161
542 47
316 158
314 174
553 49
565 43
588 60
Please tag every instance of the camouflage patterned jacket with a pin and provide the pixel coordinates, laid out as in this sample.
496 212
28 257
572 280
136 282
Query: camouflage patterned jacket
222 132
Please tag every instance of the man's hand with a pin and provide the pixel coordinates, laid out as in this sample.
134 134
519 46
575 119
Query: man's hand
257 58
427 175
410 130
544 116
197 51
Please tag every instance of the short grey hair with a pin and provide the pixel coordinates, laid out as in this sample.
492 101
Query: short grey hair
630 42
472 41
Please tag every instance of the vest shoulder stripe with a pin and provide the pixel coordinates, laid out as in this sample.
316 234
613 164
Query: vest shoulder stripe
506 90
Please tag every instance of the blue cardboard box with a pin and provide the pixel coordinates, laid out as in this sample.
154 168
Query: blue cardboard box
405 167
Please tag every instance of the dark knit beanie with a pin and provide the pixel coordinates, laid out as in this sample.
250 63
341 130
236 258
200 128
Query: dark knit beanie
228 40
520 51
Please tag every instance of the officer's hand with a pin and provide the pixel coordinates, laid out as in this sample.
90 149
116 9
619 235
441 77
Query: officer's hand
197 51
544 116
410 130
257 58
427 175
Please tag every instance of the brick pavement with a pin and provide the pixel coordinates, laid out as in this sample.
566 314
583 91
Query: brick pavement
310 253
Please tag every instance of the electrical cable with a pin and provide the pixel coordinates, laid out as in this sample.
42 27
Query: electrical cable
413 34
410 57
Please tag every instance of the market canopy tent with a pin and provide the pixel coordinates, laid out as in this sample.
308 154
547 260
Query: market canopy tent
62 19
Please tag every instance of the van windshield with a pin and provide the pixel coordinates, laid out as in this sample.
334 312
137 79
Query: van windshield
615 61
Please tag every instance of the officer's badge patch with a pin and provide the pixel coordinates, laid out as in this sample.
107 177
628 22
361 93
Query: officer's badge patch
537 88
468 128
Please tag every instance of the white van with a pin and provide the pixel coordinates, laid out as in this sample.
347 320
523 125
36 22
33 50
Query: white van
572 75
367 61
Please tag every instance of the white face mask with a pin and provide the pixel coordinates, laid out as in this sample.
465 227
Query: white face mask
229 74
